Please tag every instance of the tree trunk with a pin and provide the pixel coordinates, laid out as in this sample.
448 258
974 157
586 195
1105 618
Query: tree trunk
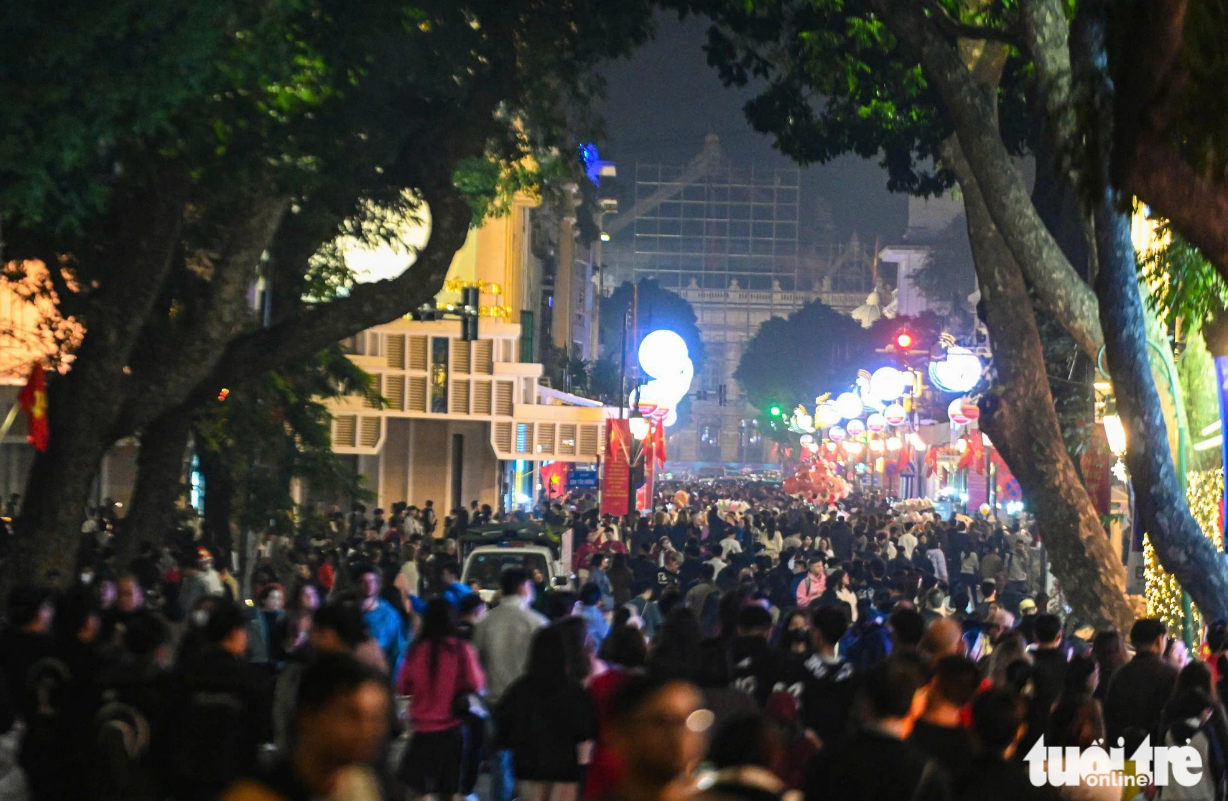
1023 425
84 403
158 483
1181 546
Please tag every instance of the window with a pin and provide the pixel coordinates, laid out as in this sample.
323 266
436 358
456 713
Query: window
439 375
487 568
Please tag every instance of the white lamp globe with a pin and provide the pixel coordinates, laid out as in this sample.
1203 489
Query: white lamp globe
855 428
837 434
826 415
895 414
848 405
958 372
662 354
806 439
876 423
886 384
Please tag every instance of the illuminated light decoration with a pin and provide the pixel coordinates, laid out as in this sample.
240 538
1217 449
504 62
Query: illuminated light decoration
879 464
894 443
1115 432
895 414
985 510
826 415
918 444
877 446
903 340
605 237
848 406
875 423
960 371
639 426
861 467
971 410
855 428
887 384
807 439
1204 492
831 446
961 445
852 448
813 447
837 434
955 411
774 410
663 355
223 394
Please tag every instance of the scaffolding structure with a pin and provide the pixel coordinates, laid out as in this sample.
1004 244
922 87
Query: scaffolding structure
720 227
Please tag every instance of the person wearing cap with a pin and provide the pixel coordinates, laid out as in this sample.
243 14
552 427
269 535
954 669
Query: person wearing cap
202 582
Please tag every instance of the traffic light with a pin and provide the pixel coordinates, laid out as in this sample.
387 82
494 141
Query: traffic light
470 300
774 410
903 340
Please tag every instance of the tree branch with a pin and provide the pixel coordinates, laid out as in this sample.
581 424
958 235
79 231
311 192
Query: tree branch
972 108
367 305
955 29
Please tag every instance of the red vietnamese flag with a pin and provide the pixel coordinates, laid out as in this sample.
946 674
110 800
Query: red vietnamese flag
554 479
33 400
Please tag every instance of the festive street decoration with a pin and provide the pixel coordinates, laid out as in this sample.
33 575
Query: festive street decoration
1204 491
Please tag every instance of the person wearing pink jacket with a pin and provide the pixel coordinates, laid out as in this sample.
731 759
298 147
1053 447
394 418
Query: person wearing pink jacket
439 667
811 587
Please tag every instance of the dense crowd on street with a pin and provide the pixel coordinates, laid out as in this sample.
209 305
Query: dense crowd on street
735 644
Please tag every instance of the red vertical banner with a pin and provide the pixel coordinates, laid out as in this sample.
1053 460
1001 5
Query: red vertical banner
616 473
1096 464
33 400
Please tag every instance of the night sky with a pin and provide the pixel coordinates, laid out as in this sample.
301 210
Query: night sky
666 99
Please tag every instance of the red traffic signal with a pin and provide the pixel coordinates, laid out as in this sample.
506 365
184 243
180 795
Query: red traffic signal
903 340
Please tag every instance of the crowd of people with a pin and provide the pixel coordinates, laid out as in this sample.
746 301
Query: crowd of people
735 643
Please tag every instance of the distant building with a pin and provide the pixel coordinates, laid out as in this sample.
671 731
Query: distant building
726 238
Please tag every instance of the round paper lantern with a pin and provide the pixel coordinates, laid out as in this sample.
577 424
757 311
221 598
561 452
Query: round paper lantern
876 423
958 372
837 434
970 410
806 439
826 415
813 447
894 443
848 406
887 384
852 448
855 428
955 411
662 352
895 414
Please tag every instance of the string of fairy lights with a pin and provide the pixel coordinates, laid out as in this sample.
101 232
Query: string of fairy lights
1204 491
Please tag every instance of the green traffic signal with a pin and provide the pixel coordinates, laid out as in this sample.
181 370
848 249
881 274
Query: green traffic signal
774 410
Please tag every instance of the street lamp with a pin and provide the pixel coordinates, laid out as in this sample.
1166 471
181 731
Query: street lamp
1115 432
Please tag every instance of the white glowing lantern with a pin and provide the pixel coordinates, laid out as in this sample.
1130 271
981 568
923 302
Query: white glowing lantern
848 405
895 414
813 447
855 428
961 445
836 434
665 358
876 422
958 372
876 445
887 384
918 444
806 439
826 415
955 411
852 448
831 446
894 443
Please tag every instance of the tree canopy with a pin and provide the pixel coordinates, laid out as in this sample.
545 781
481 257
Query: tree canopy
163 160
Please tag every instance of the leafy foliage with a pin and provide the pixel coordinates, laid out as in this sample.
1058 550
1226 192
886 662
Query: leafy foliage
837 83
656 308
1184 284
275 430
